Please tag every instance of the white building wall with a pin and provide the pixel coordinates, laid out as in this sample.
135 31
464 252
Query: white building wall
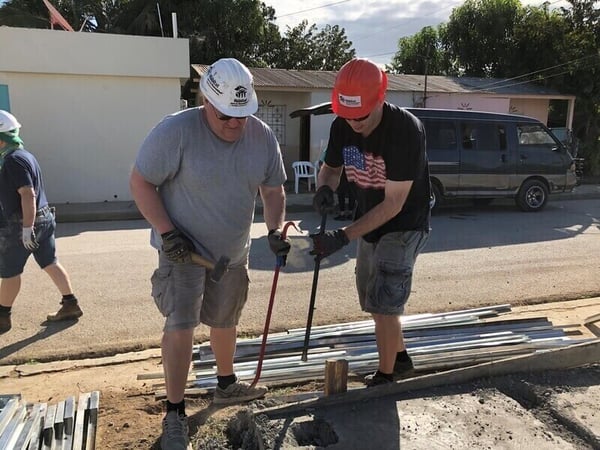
469 102
86 101
537 108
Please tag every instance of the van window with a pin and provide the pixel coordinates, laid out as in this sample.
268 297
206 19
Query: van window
483 136
440 134
534 135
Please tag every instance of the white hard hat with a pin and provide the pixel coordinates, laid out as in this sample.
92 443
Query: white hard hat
8 122
228 86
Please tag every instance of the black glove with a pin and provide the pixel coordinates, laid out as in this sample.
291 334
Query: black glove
177 246
323 201
329 242
279 245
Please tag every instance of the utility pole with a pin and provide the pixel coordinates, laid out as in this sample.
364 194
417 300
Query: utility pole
425 84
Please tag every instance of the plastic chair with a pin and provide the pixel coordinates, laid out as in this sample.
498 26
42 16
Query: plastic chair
304 169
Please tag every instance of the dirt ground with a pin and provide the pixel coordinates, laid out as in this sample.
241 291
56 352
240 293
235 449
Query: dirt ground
130 415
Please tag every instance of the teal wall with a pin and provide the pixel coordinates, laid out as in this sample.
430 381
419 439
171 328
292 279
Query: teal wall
4 103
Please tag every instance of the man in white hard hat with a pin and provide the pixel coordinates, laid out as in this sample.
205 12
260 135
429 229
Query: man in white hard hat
26 226
195 180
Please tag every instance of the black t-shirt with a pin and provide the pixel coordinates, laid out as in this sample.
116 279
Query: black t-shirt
20 168
394 151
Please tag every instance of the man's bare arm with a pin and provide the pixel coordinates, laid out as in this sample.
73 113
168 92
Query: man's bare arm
396 193
28 208
273 198
149 203
330 176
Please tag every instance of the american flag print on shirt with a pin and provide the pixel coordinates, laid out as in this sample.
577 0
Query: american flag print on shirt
364 169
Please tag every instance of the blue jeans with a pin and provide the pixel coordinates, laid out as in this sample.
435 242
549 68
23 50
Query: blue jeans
13 255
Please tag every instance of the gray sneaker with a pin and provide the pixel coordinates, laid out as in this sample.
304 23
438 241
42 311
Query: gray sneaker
238 392
175 432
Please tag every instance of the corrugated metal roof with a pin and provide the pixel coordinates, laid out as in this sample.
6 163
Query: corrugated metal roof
317 79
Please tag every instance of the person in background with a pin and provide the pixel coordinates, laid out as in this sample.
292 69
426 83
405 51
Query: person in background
195 180
27 226
382 149
344 191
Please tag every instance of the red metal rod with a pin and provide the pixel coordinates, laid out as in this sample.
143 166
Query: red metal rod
263 345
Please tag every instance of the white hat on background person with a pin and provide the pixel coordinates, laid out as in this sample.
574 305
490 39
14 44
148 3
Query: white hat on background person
228 85
8 122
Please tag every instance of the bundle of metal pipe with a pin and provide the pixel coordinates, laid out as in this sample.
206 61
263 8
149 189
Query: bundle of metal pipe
434 341
62 425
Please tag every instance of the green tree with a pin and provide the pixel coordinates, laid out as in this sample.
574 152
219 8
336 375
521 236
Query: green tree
303 47
418 54
582 45
479 35
331 48
27 13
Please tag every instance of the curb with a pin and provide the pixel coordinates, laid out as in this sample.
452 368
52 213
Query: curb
296 203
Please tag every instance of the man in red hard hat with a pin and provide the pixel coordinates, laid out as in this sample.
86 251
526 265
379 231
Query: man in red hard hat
382 149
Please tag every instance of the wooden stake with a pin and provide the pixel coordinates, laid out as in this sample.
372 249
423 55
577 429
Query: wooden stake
336 376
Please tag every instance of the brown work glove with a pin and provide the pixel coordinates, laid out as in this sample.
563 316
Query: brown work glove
176 246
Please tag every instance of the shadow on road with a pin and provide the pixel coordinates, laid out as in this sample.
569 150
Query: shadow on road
456 227
67 229
50 328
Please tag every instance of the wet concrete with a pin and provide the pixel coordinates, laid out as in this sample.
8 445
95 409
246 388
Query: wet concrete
553 410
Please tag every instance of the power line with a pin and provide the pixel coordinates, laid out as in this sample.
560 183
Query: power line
313 9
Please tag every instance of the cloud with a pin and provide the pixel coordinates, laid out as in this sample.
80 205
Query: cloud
373 26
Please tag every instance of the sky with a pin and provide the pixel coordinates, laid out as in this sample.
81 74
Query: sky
373 26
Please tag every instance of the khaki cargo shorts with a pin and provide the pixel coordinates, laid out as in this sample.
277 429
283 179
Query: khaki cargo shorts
384 271
186 297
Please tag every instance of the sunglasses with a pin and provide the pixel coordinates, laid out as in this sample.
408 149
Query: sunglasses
360 119
225 117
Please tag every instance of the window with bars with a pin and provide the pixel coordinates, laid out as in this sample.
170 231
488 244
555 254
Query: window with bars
274 116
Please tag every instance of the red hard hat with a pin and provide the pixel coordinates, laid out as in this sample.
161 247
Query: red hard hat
359 85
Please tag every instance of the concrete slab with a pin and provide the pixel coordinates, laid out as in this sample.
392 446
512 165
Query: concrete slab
554 410
482 419
581 407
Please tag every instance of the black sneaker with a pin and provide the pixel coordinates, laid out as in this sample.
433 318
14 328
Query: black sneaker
376 379
5 323
403 369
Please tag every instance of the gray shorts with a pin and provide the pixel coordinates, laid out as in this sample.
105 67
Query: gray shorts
187 297
384 271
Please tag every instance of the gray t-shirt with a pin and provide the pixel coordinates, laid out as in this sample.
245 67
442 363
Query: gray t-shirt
209 186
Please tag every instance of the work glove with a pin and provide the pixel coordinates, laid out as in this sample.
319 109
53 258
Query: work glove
323 201
177 246
28 238
328 242
279 245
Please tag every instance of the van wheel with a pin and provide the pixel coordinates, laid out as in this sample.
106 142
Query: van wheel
436 197
532 196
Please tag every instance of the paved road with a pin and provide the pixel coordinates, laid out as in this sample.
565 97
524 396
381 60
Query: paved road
475 257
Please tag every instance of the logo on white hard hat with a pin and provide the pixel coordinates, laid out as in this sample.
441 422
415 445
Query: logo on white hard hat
228 86
212 82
